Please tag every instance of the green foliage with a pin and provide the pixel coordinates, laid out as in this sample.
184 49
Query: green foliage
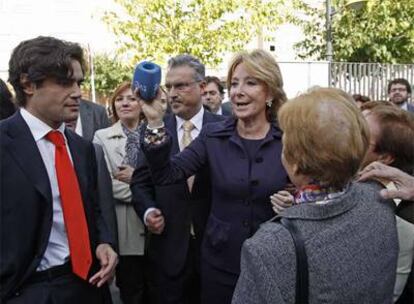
109 72
158 29
383 31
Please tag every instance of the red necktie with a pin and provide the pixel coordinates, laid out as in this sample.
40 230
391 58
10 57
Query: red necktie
72 206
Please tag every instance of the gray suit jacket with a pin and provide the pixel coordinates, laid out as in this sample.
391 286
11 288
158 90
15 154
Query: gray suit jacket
106 199
351 245
93 117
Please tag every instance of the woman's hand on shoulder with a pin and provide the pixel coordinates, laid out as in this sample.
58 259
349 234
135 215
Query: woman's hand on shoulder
281 200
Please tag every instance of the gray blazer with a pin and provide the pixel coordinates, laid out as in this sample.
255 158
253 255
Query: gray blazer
352 250
106 199
93 117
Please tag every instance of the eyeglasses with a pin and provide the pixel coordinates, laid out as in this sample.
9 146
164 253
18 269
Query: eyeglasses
179 86
393 90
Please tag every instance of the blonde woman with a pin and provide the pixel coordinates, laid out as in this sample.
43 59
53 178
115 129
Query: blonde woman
242 155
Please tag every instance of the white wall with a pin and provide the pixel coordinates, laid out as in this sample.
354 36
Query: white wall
73 20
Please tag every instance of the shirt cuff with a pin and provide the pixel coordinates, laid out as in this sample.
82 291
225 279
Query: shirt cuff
146 214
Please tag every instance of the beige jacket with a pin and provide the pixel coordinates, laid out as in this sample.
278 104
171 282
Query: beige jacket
131 235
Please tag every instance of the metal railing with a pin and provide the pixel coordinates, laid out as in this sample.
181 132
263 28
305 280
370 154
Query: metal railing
370 79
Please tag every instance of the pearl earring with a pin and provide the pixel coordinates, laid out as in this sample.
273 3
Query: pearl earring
269 103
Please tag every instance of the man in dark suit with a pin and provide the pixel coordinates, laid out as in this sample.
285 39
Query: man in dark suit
213 96
55 245
92 117
104 184
176 214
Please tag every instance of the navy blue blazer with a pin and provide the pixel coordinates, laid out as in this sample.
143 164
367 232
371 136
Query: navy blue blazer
26 202
180 207
240 187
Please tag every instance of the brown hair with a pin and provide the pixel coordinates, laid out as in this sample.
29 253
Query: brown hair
262 66
216 81
372 104
122 87
361 98
325 135
41 58
396 136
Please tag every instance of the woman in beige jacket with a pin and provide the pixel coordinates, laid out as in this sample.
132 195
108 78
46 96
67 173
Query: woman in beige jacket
120 143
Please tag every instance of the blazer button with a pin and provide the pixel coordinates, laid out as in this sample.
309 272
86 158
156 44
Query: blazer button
246 223
254 182
247 202
17 293
259 159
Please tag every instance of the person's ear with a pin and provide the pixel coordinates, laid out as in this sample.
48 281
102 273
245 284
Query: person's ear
27 85
386 158
202 86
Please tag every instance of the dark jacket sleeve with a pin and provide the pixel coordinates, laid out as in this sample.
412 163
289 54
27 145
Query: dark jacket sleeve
166 170
103 230
142 188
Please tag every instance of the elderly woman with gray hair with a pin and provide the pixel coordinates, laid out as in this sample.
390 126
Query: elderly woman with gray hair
340 233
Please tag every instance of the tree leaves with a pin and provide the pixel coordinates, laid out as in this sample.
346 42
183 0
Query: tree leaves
381 32
158 29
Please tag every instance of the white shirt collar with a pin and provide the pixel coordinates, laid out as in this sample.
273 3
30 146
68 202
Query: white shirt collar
38 128
404 106
197 120
219 111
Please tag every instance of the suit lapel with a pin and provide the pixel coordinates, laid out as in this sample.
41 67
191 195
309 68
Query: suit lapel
171 126
23 149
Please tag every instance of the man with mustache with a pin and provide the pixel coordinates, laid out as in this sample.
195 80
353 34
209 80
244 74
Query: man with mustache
176 214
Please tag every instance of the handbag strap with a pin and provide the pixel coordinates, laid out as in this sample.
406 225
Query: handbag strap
302 276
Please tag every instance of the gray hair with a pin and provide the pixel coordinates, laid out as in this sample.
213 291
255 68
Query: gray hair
192 62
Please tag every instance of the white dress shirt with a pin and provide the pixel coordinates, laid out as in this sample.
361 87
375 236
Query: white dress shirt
57 250
197 121
78 129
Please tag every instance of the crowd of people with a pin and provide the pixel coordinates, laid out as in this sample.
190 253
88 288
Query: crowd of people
188 199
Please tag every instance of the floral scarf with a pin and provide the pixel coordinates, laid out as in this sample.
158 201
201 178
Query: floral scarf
315 193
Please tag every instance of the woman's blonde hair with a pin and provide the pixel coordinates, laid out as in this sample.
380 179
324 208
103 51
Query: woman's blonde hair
325 136
262 66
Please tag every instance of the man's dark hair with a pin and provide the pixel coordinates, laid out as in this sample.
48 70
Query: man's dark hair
361 98
41 58
7 107
216 80
399 81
